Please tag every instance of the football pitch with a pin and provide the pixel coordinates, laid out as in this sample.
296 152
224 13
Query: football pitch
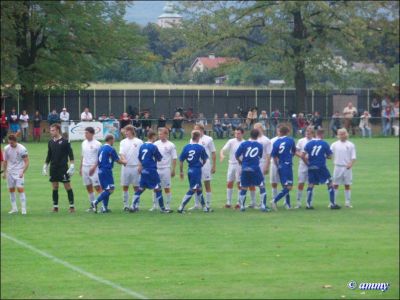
224 254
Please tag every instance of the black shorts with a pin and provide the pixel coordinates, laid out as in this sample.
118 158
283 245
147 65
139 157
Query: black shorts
59 174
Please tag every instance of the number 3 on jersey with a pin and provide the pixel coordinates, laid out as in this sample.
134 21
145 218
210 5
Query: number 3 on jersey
191 154
252 152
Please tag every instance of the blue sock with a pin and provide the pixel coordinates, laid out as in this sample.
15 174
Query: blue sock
281 194
287 200
331 192
263 196
136 198
102 196
242 198
186 199
105 201
200 194
309 196
160 199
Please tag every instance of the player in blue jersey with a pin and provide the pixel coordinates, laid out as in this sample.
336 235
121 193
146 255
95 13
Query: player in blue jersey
283 150
248 155
105 163
315 154
196 156
149 155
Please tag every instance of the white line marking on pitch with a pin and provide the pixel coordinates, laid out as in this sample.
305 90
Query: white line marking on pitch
74 268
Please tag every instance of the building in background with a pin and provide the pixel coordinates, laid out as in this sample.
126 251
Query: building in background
170 17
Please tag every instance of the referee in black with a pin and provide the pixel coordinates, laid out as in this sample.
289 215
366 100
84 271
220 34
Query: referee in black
59 150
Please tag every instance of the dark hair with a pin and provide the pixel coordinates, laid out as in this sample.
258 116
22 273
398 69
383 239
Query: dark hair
240 129
151 134
109 137
57 126
90 130
284 130
254 133
12 137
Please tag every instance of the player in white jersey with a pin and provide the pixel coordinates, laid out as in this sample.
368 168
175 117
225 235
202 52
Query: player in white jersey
129 151
273 170
89 152
302 175
166 167
234 168
15 164
207 170
344 157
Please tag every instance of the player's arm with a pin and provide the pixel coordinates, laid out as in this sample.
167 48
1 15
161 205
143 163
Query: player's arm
173 167
26 165
353 158
304 157
80 166
214 160
118 159
221 152
238 155
4 168
47 161
181 175
71 168
267 163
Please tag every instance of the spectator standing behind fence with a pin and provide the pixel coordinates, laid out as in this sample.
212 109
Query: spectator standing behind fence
161 122
137 124
349 113
274 119
365 125
226 125
24 121
124 121
317 121
335 123
3 125
395 125
146 123
53 117
86 115
375 111
37 119
177 125
201 120
301 124
387 116
64 117
236 122
14 122
252 116
263 119
217 127
293 122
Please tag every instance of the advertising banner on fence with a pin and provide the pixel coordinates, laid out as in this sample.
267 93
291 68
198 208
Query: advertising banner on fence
111 127
76 131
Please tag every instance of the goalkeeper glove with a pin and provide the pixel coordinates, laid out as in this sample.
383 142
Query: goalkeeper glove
44 171
71 170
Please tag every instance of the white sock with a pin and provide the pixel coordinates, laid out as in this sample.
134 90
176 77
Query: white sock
125 197
299 195
347 195
238 197
335 195
208 199
155 201
229 193
22 198
241 200
167 200
196 200
92 197
13 201
253 197
274 193
185 198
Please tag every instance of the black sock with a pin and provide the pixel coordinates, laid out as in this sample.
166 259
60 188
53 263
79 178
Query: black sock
70 197
55 198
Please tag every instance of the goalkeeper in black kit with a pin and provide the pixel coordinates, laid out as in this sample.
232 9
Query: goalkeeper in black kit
59 151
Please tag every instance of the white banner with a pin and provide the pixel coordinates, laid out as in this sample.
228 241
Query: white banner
76 132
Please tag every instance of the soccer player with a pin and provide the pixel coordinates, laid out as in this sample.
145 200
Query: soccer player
90 149
315 154
166 167
283 150
234 168
149 179
129 151
302 175
105 163
248 155
196 156
15 164
206 171
273 170
59 150
344 157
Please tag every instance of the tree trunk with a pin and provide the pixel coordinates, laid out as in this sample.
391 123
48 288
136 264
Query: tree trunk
301 88
27 101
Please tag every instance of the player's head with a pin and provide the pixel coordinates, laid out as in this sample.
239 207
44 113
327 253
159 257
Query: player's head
196 134
199 127
109 139
320 133
129 131
277 128
310 133
254 133
89 133
55 130
259 127
12 140
342 134
163 133
283 130
151 136
239 133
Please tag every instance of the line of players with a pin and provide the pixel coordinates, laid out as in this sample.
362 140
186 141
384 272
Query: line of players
151 165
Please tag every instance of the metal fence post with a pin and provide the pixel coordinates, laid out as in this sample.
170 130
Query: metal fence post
284 102
109 101
64 99
48 101
198 99
270 101
256 98
312 100
326 105
79 101
124 100
94 98
94 104
213 97
18 101
367 99
154 97
139 102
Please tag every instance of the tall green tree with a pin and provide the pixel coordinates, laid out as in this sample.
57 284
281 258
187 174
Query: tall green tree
47 44
300 38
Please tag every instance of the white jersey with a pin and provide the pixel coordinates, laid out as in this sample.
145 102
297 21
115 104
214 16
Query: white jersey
266 146
15 158
232 145
343 153
300 147
273 140
89 152
168 152
208 143
129 148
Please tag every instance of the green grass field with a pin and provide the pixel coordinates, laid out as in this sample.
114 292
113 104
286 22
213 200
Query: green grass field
225 254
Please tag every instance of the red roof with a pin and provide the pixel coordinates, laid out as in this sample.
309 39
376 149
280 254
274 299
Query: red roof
212 63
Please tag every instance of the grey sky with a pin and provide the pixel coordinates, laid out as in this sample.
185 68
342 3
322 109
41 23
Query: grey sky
143 12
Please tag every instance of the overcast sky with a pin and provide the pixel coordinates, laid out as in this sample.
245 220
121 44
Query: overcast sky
143 12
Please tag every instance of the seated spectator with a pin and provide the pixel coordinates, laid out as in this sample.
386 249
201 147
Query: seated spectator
365 125
236 122
335 123
123 121
137 124
146 123
226 125
317 121
177 125
86 115
217 127
24 119
112 117
301 124
103 117
53 117
37 119
13 120
201 120
162 122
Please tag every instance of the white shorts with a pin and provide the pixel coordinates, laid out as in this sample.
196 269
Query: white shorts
206 172
130 175
342 175
90 180
302 175
273 173
165 177
13 181
233 173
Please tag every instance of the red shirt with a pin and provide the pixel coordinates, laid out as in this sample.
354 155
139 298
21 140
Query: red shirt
4 122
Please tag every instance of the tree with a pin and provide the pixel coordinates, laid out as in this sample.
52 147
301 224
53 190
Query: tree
300 38
62 44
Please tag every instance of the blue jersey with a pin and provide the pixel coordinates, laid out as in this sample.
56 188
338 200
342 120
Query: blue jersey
284 149
149 155
195 155
251 152
317 150
106 157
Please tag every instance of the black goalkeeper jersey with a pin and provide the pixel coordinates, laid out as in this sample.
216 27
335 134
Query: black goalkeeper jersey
58 153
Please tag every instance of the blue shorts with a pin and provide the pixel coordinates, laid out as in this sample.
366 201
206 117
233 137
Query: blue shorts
14 128
251 177
106 179
149 179
286 174
194 176
318 175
